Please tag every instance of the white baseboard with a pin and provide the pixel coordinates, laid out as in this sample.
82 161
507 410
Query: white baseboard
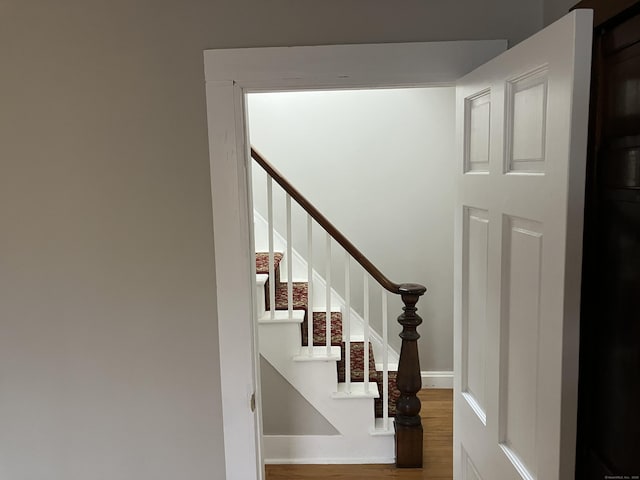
435 379
328 449
329 461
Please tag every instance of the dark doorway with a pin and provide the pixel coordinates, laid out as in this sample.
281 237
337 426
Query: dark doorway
609 397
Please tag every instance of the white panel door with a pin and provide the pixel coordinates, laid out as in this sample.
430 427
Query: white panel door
522 135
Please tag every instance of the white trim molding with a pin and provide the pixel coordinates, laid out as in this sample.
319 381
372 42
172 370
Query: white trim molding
230 75
437 379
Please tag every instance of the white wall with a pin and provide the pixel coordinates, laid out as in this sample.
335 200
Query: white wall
378 164
108 346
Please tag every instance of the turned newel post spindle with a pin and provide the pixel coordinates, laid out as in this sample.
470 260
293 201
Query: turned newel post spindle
407 422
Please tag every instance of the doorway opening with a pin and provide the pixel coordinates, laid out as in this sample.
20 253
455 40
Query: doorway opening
230 75
357 155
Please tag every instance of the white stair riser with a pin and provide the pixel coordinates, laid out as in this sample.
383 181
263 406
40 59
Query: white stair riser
285 338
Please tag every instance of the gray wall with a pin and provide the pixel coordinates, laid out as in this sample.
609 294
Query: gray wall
554 9
284 410
108 346
108 332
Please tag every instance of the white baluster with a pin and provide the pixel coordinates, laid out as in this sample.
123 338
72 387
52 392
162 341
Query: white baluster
289 260
328 297
272 276
385 363
346 324
309 285
366 333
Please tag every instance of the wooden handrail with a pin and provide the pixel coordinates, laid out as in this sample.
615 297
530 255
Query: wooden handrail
397 288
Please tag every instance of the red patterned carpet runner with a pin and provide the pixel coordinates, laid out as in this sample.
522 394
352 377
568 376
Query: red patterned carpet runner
300 302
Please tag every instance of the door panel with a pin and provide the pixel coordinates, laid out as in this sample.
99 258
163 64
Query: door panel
519 332
522 132
526 122
477 116
474 321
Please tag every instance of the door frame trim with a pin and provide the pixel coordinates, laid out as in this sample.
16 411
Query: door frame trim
230 74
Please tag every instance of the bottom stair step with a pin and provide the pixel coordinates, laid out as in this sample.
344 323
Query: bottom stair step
380 429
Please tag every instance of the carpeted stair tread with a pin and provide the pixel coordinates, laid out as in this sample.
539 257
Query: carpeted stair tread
299 296
262 261
262 266
394 394
320 329
357 363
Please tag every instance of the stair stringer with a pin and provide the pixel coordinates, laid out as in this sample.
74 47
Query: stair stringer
316 381
299 272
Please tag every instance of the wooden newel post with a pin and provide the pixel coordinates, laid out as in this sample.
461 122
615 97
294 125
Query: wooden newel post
407 422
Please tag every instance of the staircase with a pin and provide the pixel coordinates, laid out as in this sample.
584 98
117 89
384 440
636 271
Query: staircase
301 303
319 375
373 407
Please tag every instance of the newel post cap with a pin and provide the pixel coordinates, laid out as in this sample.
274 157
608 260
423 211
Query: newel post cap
412 289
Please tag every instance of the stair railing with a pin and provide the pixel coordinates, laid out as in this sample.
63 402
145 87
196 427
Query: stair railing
408 425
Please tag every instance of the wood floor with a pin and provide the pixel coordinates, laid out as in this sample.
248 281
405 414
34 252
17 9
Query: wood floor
437 421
